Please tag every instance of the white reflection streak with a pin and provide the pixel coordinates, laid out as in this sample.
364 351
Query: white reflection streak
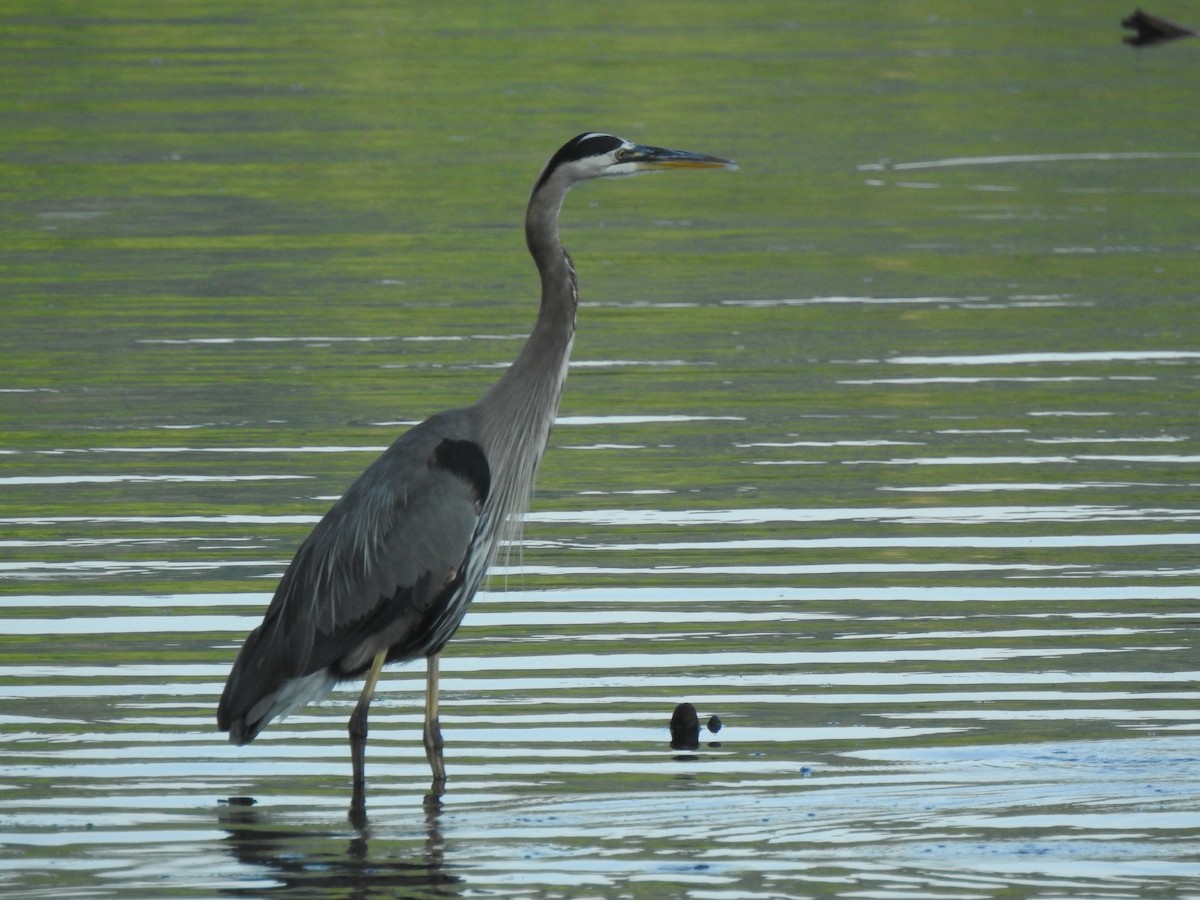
964 379
617 363
229 519
942 514
1018 486
865 443
1154 439
838 301
324 339
128 542
1013 460
332 448
129 625
959 461
690 597
106 566
618 517
624 663
37 569
143 479
814 569
1021 158
641 420
1147 458
185 676
1023 542
994 359
237 624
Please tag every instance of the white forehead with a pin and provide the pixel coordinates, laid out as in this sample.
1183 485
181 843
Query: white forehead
604 134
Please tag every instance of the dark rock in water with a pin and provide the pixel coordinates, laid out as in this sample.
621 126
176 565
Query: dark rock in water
714 724
1152 30
685 728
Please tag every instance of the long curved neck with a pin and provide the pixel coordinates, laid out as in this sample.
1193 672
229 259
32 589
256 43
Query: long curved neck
532 383
515 416
541 237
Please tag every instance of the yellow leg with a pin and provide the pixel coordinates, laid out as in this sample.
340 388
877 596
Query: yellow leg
432 736
358 735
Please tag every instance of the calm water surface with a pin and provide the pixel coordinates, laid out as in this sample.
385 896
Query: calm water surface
882 450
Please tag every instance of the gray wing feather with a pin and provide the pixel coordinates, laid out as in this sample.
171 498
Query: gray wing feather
404 533
370 573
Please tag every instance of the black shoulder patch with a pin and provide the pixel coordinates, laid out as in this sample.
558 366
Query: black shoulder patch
466 460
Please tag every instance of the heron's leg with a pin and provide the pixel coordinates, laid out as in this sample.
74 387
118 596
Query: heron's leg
358 732
432 735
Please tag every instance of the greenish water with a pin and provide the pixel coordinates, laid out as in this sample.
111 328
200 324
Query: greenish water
882 449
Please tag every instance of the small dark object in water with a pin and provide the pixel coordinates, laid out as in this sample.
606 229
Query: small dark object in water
240 801
1152 30
714 724
685 728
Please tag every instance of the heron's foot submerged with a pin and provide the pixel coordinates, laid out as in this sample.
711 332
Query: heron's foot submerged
434 747
358 764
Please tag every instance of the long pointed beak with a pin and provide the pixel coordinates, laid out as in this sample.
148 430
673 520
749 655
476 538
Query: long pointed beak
662 158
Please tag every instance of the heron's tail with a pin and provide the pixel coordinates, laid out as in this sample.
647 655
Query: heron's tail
258 692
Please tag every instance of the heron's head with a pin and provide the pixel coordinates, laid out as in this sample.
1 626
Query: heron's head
596 155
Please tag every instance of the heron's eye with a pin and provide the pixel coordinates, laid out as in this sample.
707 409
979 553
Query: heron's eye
620 154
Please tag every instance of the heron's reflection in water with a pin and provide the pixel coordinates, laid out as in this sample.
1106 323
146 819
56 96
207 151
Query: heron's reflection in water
298 861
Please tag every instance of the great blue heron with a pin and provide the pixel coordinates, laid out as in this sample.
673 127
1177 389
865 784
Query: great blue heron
388 572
